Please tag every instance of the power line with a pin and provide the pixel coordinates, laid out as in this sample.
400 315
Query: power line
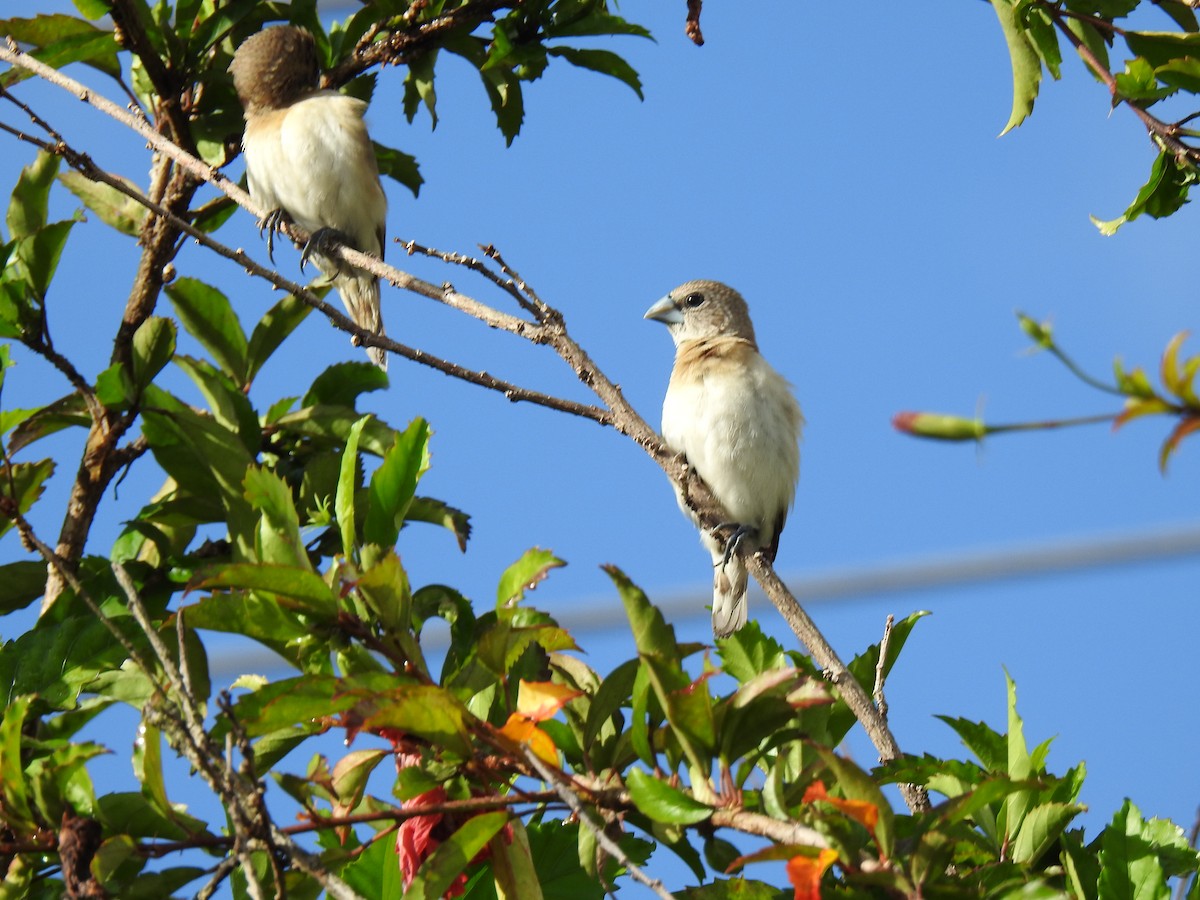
883 579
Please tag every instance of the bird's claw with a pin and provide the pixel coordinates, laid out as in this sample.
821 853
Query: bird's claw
319 240
739 534
271 223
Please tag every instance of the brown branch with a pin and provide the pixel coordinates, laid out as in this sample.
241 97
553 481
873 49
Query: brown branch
402 47
130 33
1165 133
550 330
557 780
881 667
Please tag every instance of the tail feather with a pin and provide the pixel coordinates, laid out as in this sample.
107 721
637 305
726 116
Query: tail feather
729 608
360 295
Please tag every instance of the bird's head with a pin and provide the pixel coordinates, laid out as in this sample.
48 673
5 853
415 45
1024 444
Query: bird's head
698 310
274 68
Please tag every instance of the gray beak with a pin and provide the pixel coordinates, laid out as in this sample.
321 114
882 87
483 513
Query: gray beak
665 311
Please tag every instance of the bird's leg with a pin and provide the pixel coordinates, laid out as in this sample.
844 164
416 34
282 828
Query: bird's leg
271 223
739 534
322 240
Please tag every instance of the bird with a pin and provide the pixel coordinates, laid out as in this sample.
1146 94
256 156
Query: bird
309 159
737 423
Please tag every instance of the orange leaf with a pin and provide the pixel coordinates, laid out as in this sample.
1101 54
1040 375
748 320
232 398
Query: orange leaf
804 872
861 811
541 700
523 730
1186 426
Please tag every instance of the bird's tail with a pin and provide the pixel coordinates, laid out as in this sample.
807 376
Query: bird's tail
360 295
730 579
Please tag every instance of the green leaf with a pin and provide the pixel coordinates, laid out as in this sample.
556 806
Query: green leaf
20 584
418 87
385 589
330 426
138 816
614 692
1129 865
687 703
524 575
399 166
342 383
302 585
27 210
1164 192
1026 66
153 347
1139 84
229 405
343 504
278 538
376 871
66 412
114 209
17 815
60 40
208 316
23 483
663 803
1161 47
394 483
1041 829
603 61
435 512
284 626
280 321
444 865
39 254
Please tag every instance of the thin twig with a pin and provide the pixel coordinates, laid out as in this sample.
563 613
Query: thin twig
556 780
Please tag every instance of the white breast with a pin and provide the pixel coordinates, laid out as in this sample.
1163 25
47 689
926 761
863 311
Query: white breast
739 428
314 160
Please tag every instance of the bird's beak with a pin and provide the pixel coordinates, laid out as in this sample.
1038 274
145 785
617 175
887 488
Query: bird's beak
665 311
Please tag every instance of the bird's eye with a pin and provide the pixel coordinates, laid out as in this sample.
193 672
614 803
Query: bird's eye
691 301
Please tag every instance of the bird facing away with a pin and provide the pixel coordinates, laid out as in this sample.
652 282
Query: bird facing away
737 423
309 159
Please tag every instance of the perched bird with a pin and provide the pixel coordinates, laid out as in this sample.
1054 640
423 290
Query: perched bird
309 159
736 421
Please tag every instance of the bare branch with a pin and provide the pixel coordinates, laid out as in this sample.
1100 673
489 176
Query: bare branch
557 780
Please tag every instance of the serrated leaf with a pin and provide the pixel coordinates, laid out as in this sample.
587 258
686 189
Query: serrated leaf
435 512
399 166
524 575
60 40
208 316
113 208
1164 192
1040 830
1129 865
23 483
229 405
663 803
1026 66
603 61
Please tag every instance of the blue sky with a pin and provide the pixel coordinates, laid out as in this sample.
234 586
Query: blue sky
845 174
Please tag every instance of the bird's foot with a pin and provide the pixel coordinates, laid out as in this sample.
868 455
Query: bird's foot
739 534
320 241
271 223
